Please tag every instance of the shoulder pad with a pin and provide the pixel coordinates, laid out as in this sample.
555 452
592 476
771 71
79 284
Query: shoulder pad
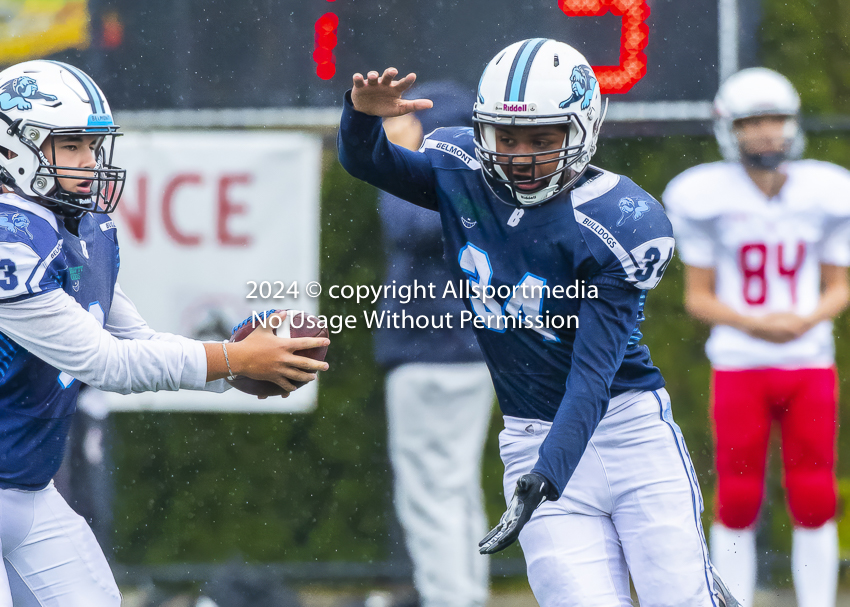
451 148
828 183
105 221
695 192
31 258
107 225
25 272
21 225
627 233
819 169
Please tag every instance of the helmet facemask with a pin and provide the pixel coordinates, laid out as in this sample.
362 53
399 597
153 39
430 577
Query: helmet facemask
50 101
753 93
771 159
502 168
107 180
536 83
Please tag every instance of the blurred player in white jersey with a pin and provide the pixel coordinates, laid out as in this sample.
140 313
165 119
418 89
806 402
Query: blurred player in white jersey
765 244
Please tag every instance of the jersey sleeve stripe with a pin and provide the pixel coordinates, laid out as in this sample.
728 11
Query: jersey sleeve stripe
34 282
606 237
17 260
452 150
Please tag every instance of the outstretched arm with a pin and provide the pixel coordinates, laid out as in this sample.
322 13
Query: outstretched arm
125 322
263 355
365 151
55 328
381 95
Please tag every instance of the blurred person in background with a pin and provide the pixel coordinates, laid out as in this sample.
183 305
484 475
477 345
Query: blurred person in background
64 321
439 395
765 241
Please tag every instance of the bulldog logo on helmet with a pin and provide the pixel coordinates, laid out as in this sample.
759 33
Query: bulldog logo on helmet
584 85
630 207
14 94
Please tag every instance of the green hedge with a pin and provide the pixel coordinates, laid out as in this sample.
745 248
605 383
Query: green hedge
317 486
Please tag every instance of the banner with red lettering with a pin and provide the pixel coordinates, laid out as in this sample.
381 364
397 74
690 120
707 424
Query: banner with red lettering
212 226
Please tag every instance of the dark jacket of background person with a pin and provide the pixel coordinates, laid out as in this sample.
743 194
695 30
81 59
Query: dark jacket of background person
414 246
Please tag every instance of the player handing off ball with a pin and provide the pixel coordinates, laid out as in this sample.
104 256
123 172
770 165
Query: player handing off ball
601 481
64 320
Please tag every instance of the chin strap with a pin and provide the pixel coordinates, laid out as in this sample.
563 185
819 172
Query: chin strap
66 213
766 162
6 178
72 224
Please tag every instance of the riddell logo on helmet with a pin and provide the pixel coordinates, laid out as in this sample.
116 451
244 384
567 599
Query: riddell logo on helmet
516 107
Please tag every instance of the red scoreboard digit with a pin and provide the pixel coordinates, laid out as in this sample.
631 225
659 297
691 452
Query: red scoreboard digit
323 55
634 35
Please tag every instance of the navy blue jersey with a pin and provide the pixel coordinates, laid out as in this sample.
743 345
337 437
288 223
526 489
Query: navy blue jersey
37 400
414 250
607 233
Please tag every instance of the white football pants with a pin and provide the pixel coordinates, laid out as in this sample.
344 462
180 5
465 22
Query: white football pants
632 506
52 558
438 416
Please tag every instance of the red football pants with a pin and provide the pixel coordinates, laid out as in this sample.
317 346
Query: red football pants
744 405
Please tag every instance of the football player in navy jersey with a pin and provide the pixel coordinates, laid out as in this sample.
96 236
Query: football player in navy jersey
602 484
64 320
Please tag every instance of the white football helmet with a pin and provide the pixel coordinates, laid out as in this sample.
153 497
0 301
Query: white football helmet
757 91
39 99
530 83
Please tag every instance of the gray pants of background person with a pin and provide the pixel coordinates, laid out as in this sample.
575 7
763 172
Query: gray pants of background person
438 416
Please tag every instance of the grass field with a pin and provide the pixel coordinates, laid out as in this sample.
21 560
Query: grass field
333 598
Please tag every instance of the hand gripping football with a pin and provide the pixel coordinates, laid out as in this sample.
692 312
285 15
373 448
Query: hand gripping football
296 324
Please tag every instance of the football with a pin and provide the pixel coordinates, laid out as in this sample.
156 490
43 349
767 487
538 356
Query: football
296 324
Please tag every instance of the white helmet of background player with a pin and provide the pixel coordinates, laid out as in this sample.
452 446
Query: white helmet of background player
43 98
757 91
530 83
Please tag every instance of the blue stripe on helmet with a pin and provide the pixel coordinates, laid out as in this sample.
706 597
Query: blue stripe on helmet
513 70
89 85
539 42
518 76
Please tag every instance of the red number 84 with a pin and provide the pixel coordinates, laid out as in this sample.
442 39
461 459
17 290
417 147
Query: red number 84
634 35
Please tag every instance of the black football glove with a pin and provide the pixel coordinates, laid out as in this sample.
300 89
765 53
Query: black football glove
531 491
